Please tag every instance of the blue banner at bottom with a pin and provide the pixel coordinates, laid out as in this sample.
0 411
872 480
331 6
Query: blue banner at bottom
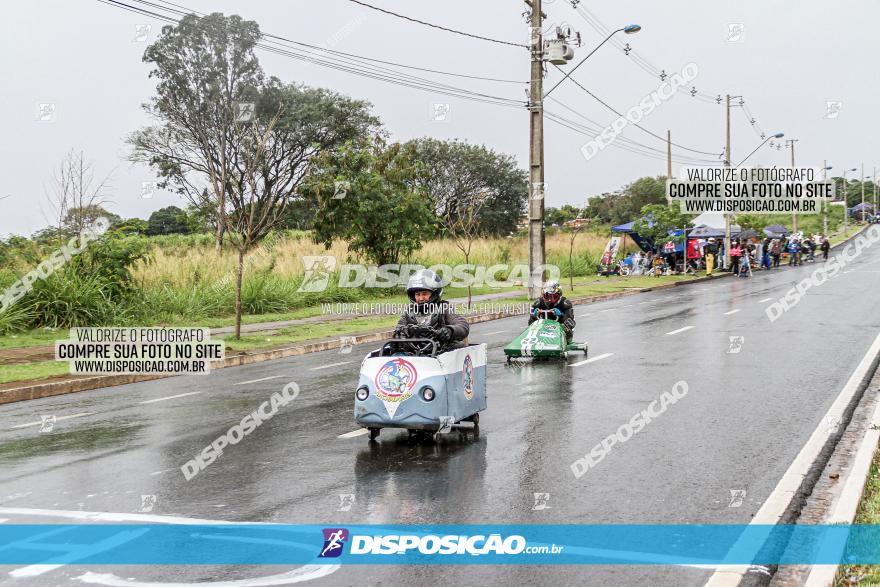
283 544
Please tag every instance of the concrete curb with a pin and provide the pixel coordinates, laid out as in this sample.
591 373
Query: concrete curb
49 389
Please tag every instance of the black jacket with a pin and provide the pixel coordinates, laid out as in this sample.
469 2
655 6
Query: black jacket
439 314
564 306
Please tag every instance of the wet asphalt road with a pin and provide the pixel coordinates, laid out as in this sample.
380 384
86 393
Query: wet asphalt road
745 417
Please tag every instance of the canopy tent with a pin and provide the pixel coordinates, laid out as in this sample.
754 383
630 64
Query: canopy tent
748 234
776 230
641 242
704 231
645 243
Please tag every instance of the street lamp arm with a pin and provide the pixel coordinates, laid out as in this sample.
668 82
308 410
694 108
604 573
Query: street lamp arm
581 62
776 136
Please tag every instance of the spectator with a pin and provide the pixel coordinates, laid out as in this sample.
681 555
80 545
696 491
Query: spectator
776 252
826 246
794 250
711 254
765 256
736 253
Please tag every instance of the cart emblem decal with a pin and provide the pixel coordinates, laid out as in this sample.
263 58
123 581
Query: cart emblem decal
395 380
468 377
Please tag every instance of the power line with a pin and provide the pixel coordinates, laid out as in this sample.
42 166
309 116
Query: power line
436 26
332 62
638 126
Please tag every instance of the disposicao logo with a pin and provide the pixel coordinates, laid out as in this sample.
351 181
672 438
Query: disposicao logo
334 541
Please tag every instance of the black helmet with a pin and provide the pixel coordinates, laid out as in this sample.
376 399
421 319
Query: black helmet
425 280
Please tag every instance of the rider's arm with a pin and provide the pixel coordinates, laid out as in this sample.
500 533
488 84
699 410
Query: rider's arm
567 314
458 325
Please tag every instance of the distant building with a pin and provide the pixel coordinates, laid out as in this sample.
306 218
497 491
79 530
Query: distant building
577 223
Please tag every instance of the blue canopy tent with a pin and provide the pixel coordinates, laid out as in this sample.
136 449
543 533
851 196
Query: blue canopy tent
645 243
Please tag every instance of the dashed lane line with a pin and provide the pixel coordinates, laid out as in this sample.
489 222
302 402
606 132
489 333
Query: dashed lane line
680 330
591 360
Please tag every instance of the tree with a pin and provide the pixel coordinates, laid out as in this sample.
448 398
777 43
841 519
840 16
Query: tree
380 214
77 197
658 220
208 77
170 220
464 227
626 204
291 126
574 231
559 216
457 171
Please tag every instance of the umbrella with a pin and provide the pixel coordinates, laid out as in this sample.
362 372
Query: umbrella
775 230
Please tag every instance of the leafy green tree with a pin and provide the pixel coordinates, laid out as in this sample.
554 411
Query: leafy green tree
132 226
457 173
657 220
379 214
559 216
170 220
208 75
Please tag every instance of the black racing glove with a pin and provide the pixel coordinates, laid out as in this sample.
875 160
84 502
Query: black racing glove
444 334
402 331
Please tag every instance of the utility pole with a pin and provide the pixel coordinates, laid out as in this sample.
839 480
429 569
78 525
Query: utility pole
790 143
668 154
874 184
536 150
862 181
825 201
727 163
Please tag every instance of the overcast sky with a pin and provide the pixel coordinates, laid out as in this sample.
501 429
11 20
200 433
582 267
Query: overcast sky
791 58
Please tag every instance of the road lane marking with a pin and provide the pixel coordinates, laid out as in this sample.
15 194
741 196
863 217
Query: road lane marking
764 300
354 433
303 573
496 332
774 506
680 330
608 310
162 399
258 380
731 312
56 419
596 358
330 365
585 315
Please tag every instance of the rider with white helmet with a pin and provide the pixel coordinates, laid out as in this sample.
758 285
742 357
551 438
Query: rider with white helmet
427 309
562 310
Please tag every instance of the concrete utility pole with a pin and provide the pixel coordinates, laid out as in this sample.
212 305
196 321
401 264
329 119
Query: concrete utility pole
862 181
727 163
668 154
794 226
536 150
825 201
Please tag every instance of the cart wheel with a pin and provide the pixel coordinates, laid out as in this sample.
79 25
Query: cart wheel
585 350
508 359
436 436
374 433
475 419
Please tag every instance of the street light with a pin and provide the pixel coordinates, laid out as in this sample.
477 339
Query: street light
778 135
628 29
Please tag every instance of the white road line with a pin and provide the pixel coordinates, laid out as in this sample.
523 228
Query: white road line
258 380
772 509
56 419
330 365
680 330
608 310
764 300
597 358
585 315
731 312
496 332
162 399
353 433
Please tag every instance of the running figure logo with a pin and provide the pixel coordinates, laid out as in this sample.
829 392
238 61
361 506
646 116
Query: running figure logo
334 540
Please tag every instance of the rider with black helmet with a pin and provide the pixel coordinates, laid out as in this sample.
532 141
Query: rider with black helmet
560 308
427 309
